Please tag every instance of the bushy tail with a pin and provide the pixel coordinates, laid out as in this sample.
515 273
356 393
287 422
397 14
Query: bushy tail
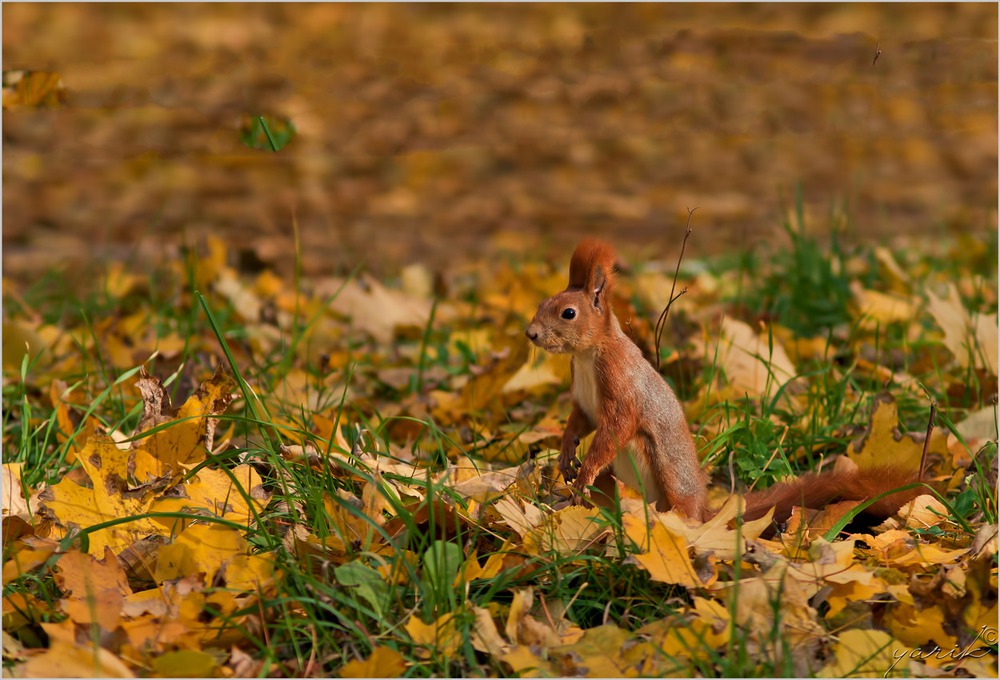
817 491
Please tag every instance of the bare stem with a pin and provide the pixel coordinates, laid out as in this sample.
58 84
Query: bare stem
661 322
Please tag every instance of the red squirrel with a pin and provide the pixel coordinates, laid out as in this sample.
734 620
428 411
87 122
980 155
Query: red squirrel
640 425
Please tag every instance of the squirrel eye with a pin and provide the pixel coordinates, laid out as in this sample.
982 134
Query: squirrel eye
568 313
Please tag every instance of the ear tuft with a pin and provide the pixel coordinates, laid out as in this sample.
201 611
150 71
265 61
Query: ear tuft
592 266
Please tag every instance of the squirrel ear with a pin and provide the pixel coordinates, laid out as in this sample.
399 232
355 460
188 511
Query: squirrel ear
598 280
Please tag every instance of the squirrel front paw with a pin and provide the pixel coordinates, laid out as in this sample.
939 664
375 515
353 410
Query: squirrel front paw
580 495
569 465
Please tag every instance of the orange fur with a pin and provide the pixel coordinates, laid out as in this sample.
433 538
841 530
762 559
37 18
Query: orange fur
588 256
816 491
639 423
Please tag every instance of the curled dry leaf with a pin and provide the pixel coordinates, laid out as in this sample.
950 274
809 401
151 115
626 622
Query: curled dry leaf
972 339
753 363
14 502
373 308
191 432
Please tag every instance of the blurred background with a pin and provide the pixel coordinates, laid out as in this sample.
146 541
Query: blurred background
443 133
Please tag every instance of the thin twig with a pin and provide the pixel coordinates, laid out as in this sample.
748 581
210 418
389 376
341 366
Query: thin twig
661 322
927 441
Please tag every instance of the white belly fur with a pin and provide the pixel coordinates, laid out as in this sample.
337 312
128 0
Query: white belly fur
626 464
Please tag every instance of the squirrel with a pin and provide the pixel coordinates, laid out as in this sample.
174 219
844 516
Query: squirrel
639 422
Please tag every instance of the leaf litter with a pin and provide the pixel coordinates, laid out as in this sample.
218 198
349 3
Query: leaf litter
399 443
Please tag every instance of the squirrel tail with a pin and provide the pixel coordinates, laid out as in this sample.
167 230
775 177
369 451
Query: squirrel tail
590 255
816 491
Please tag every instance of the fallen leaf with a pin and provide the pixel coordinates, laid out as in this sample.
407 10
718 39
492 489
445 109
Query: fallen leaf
217 551
876 310
14 502
188 433
665 553
383 662
715 535
440 635
373 308
110 498
95 589
752 363
486 637
552 370
972 340
569 531
186 663
66 659
882 445
33 553
867 654
775 600
32 89
235 495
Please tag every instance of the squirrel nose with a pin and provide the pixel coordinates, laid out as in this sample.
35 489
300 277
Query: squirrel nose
532 335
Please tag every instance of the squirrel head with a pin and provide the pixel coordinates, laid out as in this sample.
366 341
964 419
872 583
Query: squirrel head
580 317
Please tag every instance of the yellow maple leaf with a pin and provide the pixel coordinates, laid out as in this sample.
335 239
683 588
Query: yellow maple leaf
672 640
527 663
486 637
70 660
14 502
484 390
213 491
95 589
440 635
33 553
926 555
597 654
219 552
109 499
865 653
775 598
873 308
754 363
715 536
666 558
188 433
569 531
914 628
383 662
883 445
